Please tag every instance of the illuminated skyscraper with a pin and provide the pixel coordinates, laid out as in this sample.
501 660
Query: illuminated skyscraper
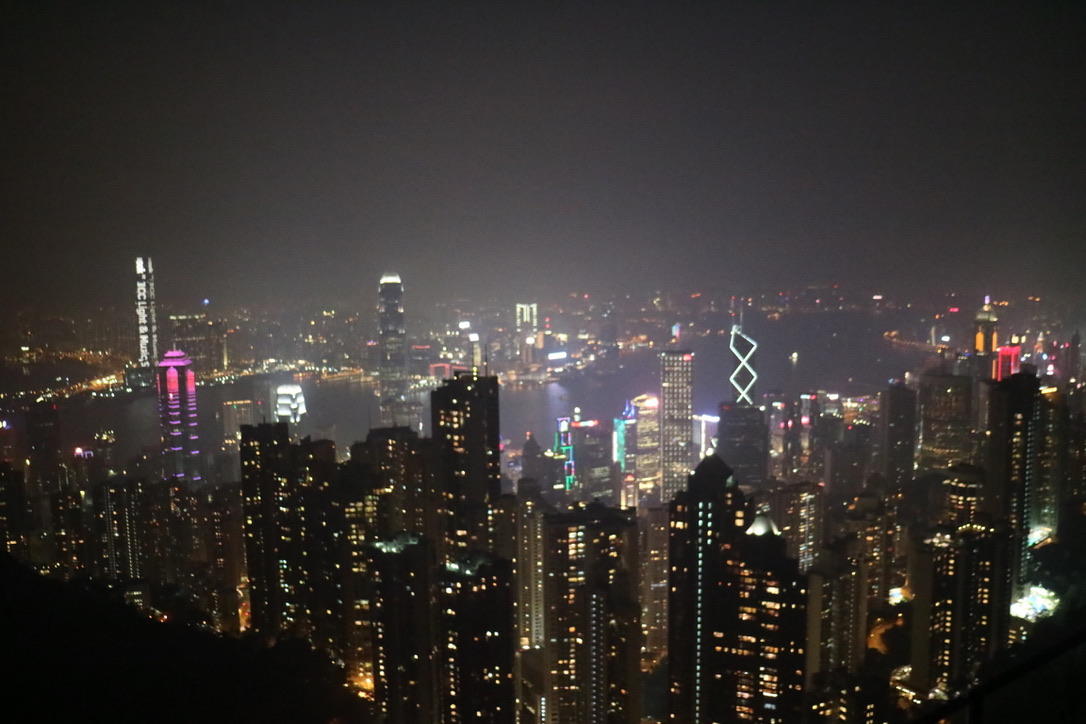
676 421
961 581
743 376
146 314
177 418
985 335
291 533
800 508
528 338
710 514
737 609
289 403
947 411
592 644
391 330
395 409
1027 436
653 528
266 479
646 448
464 421
474 606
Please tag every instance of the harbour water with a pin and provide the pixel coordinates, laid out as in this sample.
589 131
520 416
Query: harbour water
841 352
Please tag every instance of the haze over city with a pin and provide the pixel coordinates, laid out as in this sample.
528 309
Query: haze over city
289 152
543 363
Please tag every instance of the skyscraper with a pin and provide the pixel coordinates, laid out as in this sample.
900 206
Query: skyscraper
961 582
395 409
527 331
1026 456
743 440
291 530
146 313
475 628
464 424
710 514
946 405
266 480
592 644
800 508
985 334
737 609
646 448
743 376
177 419
391 330
676 421
898 434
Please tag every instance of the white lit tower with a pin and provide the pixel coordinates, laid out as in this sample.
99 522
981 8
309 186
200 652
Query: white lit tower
392 348
146 315
391 330
527 326
676 420
143 375
743 377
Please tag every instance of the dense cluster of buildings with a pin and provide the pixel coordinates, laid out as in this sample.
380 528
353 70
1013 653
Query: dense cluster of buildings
812 557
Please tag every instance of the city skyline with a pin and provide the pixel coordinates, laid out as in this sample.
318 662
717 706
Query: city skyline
265 152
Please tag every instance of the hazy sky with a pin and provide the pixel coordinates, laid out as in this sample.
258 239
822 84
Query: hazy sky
304 148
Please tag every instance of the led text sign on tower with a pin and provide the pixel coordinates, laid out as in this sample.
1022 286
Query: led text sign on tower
146 319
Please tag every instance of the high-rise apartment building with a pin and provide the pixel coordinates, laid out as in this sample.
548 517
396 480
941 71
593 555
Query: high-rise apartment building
464 423
708 516
474 605
961 581
653 527
1027 454
406 660
592 647
291 524
676 421
800 510
737 629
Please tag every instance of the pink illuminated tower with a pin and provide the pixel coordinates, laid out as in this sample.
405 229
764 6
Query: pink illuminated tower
177 419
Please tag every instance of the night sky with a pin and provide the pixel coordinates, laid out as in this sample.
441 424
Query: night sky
295 151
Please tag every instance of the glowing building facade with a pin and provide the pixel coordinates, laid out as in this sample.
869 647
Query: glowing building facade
177 418
289 403
391 328
146 313
676 421
743 376
646 447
